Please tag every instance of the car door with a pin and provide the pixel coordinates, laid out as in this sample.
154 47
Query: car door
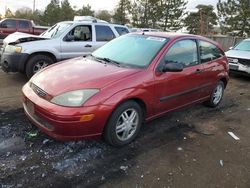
8 26
211 58
78 42
177 89
103 34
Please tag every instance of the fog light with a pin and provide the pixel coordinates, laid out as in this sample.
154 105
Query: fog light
86 117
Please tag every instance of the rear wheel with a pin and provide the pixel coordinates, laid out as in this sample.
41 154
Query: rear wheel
37 63
124 124
216 95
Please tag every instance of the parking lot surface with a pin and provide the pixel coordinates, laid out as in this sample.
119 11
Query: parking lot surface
187 148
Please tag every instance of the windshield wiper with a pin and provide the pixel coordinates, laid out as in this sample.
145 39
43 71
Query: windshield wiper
111 61
106 60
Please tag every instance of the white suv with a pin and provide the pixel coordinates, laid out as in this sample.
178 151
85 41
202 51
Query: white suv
29 53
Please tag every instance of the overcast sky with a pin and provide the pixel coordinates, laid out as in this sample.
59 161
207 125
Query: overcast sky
95 4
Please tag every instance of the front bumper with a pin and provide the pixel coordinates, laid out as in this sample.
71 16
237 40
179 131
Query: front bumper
239 68
63 123
13 62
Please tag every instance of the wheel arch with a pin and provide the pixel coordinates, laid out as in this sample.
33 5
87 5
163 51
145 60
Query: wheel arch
49 54
224 80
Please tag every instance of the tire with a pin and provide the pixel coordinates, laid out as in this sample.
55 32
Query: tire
36 63
117 128
216 95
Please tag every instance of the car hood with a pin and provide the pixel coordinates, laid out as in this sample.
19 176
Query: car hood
79 73
18 37
238 54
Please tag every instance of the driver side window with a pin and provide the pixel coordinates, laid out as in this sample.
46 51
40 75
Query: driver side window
183 52
80 33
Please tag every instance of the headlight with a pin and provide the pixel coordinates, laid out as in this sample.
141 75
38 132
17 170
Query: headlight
74 98
13 49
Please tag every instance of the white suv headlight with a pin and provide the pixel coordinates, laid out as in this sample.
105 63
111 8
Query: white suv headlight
13 49
74 98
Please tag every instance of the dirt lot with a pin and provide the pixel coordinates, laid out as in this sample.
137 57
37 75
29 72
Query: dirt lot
187 148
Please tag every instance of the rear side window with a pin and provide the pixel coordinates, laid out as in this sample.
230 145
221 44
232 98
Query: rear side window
104 33
24 24
9 24
121 30
209 52
183 52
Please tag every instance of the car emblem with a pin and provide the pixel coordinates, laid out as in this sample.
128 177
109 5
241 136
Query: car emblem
40 93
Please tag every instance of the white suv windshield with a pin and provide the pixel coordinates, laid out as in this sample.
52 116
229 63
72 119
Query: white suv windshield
131 50
56 30
244 45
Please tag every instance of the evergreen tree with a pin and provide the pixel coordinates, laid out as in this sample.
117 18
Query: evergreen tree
203 21
172 13
85 11
52 12
234 15
122 11
164 14
67 12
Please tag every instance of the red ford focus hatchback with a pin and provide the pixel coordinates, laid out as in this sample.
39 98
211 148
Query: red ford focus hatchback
132 79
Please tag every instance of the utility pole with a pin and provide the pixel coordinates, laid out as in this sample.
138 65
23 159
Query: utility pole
34 5
201 23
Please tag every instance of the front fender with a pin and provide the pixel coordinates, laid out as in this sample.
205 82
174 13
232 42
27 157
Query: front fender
138 94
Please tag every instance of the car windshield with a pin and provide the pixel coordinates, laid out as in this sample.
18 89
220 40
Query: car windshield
131 50
56 30
244 45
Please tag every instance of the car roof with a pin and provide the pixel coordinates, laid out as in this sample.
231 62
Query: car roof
19 19
170 35
173 35
91 22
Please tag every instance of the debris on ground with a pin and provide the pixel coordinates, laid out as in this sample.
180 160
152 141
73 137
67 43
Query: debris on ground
221 163
32 134
233 135
124 168
180 149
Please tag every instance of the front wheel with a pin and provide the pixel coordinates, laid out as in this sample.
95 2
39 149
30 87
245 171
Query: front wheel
124 124
37 63
216 95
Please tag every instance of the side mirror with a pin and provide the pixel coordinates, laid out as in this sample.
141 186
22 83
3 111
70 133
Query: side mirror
172 67
230 48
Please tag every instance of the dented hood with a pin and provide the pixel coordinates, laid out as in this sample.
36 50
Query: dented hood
18 37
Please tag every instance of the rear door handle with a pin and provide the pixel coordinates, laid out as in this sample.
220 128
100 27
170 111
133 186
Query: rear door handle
88 46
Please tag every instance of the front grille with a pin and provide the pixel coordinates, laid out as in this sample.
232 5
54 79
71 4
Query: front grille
38 90
29 108
239 60
244 61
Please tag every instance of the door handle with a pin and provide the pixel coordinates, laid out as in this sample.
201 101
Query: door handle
88 46
197 71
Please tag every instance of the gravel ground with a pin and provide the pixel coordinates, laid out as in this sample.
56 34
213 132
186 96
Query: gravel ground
187 148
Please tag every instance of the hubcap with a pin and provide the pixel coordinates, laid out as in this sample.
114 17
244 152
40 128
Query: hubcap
127 124
39 66
217 94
